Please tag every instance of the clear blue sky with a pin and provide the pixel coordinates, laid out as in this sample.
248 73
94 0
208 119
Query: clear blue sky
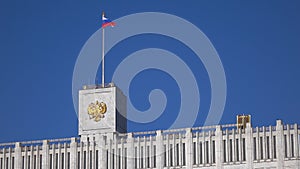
258 44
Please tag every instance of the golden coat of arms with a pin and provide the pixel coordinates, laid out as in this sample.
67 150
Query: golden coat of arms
97 110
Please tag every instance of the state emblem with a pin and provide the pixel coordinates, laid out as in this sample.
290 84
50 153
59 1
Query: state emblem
96 110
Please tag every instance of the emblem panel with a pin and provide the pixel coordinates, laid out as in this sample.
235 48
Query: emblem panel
96 110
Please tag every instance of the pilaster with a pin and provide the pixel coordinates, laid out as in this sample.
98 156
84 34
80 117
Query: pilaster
279 144
249 146
219 147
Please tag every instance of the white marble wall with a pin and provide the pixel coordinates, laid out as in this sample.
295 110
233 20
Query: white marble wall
113 120
207 148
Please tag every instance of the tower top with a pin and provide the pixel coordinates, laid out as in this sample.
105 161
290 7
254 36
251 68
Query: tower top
102 110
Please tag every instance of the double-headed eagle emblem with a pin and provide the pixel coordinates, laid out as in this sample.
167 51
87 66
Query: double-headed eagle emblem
97 110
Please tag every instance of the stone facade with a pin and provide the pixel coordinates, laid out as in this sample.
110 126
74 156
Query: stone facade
114 118
104 144
201 147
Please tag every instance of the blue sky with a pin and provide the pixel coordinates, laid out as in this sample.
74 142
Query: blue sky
257 41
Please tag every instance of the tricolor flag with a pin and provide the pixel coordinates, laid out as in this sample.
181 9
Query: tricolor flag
107 22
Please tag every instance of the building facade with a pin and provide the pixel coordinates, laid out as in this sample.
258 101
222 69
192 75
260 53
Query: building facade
104 143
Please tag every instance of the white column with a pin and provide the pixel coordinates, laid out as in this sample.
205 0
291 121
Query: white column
271 150
25 157
110 155
53 156
197 149
203 148
138 154
174 150
219 147
227 146
296 141
38 157
160 150
18 155
288 141
87 149
65 156
130 151
100 143
59 156
9 157
249 146
4 158
73 154
167 151
81 162
233 146
145 152
122 155
210 153
31 156
240 145
180 150
45 154
151 153
264 144
93 157
258 154
116 154
279 144
189 147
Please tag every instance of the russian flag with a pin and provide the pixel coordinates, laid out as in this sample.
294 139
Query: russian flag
107 22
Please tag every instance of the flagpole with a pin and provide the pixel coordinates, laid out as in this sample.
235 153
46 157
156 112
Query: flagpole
103 54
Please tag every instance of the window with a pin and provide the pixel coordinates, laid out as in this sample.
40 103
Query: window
285 146
7 161
224 151
194 153
28 161
50 161
23 162
274 146
230 150
97 156
78 160
91 159
13 162
244 149
135 157
154 152
268 147
214 151
183 154
125 157
207 152
34 161
254 149
261 148
237 150
41 161
141 157
68 160
62 160
177 154
292 145
171 155
200 153
165 156
148 156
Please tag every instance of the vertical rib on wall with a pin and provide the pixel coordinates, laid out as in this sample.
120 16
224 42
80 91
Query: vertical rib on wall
217 147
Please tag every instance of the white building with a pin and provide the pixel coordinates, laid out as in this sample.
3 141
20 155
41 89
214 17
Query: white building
105 144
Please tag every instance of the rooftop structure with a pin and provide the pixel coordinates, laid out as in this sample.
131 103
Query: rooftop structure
104 143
